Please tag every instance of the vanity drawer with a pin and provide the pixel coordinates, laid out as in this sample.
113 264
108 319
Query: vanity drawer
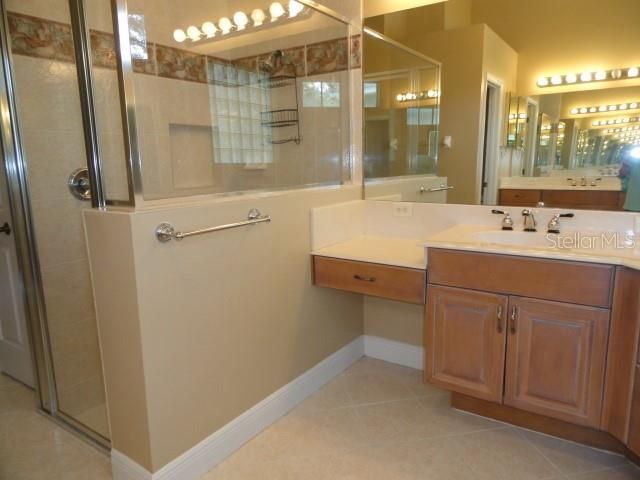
395 283
520 198
581 199
563 281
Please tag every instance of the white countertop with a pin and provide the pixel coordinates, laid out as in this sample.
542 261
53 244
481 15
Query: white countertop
400 252
461 237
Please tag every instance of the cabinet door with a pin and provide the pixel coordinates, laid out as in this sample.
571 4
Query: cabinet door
465 341
556 359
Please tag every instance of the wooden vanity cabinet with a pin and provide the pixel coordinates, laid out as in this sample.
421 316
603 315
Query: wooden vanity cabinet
541 355
570 199
555 362
468 332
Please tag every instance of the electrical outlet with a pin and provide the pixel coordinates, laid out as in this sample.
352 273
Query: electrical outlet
402 210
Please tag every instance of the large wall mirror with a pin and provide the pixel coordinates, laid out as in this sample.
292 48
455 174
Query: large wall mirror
534 102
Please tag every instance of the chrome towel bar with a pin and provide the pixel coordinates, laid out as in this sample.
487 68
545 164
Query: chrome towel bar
166 232
441 188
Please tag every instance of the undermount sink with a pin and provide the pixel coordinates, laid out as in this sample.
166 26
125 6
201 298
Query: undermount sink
519 238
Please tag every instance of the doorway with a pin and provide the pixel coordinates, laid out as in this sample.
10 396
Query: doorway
15 349
492 127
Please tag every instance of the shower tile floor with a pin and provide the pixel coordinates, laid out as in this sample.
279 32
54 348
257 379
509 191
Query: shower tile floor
375 421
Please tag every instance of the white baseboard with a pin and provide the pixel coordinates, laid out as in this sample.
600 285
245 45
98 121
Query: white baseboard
194 463
394 352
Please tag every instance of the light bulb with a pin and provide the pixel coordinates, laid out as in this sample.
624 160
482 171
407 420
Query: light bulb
586 77
209 29
633 72
583 110
602 108
571 78
258 17
240 19
601 75
616 74
543 81
399 97
295 8
276 10
556 80
623 106
194 33
633 105
574 111
593 110
225 25
613 108
179 35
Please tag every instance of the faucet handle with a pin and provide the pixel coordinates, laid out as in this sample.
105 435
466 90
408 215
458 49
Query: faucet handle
554 224
507 221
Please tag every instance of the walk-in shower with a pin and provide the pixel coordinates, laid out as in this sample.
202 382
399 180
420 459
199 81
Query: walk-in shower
105 104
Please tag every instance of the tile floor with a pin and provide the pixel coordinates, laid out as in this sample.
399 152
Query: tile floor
33 448
375 421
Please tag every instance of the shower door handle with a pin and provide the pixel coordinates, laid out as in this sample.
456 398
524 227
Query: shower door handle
6 229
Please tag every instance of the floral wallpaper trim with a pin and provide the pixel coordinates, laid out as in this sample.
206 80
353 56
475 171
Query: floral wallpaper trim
47 39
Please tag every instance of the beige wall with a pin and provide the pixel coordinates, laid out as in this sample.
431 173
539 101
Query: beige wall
213 324
554 36
397 321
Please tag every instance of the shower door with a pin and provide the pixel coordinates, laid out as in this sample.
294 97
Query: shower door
53 124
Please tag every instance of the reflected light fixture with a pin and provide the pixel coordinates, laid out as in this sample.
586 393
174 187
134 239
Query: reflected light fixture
605 108
295 8
258 17
424 95
588 76
209 29
241 22
179 35
276 10
225 25
615 121
194 33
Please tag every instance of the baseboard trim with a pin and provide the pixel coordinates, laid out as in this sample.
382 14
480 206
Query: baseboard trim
394 352
211 451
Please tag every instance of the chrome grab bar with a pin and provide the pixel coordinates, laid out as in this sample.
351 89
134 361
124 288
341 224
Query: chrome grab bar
441 188
166 232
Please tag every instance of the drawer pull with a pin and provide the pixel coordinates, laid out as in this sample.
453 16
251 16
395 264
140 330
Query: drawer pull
514 319
500 327
365 279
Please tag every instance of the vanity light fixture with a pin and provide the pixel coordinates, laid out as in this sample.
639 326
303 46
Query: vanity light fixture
605 108
424 95
519 116
615 121
241 21
557 80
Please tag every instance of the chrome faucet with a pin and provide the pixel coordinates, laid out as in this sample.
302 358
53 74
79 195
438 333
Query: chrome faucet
554 223
507 221
530 223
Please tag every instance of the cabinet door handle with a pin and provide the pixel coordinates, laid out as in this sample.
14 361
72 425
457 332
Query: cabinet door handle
364 279
500 327
514 319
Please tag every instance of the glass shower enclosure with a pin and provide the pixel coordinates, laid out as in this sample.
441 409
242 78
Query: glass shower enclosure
126 103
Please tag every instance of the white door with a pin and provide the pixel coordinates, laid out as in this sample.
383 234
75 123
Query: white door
15 353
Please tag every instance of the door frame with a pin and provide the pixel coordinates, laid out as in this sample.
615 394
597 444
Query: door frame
491 126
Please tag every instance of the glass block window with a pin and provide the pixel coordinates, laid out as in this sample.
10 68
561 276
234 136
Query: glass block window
238 98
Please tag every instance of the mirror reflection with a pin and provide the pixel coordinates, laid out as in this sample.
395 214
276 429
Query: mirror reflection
543 111
401 90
